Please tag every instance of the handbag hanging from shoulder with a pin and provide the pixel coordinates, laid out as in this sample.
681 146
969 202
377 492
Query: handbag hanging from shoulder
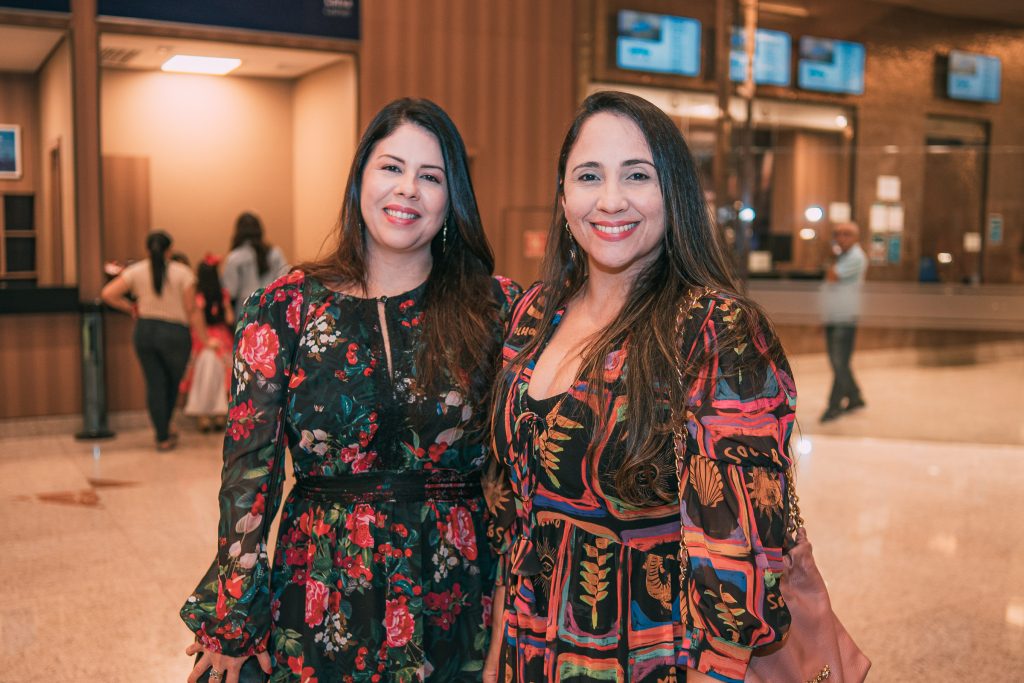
817 647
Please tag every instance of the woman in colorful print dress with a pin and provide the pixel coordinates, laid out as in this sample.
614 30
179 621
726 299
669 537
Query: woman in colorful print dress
374 366
595 369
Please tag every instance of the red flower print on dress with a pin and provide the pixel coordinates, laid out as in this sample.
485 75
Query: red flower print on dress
305 673
358 525
297 378
241 420
258 348
398 622
316 602
460 532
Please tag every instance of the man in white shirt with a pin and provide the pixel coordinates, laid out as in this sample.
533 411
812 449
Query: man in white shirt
840 299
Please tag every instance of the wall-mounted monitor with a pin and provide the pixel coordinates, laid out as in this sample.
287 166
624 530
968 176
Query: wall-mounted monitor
772 57
831 66
657 42
973 77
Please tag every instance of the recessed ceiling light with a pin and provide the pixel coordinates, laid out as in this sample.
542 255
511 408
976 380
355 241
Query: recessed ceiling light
192 64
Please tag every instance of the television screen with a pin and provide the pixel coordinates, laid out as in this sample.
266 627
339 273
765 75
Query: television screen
831 66
771 57
973 77
658 42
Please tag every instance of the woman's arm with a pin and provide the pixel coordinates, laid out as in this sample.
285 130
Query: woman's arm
740 411
230 609
497 633
115 294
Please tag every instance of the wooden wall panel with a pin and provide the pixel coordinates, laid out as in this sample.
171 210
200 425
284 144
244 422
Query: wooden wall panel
126 220
502 69
39 364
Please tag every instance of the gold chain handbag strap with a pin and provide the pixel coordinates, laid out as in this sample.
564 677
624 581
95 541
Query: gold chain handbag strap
678 436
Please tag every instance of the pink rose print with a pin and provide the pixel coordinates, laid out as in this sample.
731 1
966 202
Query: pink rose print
460 532
293 312
316 602
258 348
358 525
398 622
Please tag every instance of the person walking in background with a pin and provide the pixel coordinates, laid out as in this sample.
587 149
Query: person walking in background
374 365
251 263
840 304
164 292
209 379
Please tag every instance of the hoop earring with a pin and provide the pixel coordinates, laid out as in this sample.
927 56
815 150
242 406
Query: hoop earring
444 236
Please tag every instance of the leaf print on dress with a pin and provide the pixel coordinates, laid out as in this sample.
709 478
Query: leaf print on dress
549 439
726 612
594 575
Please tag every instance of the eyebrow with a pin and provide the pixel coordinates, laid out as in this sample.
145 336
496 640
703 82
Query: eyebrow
402 161
627 162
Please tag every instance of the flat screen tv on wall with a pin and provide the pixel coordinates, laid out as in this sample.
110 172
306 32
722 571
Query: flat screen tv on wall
828 65
772 57
658 43
973 77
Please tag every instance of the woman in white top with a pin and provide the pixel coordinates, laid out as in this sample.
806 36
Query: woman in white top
251 263
164 303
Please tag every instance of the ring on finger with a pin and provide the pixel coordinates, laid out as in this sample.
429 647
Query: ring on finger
215 675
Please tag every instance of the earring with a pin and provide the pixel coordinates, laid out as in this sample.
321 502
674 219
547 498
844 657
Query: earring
444 236
572 244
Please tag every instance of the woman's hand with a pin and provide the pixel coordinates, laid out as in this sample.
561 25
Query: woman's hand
227 667
497 631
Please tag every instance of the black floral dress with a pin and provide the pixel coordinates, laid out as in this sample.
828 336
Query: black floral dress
375 585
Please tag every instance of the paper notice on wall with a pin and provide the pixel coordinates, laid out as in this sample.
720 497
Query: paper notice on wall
896 218
759 262
879 218
839 212
995 228
877 250
895 248
534 243
972 242
888 189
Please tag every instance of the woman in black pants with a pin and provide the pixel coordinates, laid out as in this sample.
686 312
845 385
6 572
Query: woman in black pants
164 302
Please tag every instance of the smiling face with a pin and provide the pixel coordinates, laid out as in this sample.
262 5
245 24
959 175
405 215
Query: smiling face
612 197
404 194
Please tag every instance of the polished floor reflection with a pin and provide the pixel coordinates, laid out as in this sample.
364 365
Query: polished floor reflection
919 539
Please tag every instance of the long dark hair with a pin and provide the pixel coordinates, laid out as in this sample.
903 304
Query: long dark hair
157 244
693 256
249 230
208 284
459 308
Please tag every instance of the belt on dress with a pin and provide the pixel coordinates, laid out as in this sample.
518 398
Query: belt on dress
392 486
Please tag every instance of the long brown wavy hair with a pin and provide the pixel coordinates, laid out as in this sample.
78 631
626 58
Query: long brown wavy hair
692 256
459 307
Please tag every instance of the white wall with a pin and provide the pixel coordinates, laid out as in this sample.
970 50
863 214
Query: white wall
217 146
325 136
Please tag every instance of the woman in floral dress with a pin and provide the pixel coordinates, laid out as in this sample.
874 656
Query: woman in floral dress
374 366
636 324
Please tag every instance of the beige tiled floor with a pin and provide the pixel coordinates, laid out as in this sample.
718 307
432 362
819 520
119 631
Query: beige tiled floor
913 505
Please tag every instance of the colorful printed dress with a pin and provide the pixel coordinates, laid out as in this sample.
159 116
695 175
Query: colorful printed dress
378 584
593 585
